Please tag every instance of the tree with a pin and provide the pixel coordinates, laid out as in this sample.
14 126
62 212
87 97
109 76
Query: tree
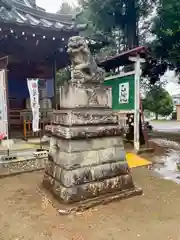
165 47
166 28
62 76
118 20
158 101
98 41
68 9
65 8
119 16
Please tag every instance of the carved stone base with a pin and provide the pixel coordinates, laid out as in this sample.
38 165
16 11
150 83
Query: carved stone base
83 96
86 162
88 190
78 170
65 209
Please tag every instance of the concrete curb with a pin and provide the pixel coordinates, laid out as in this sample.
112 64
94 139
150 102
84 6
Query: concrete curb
22 165
2 152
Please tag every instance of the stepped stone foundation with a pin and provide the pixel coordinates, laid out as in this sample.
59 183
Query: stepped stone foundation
86 164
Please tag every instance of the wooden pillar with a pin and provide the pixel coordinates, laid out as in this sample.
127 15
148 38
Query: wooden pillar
137 66
54 69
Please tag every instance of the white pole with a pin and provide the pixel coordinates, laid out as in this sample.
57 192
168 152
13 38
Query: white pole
137 66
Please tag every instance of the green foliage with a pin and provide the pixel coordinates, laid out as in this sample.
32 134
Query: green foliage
167 30
111 16
97 36
84 17
165 47
106 52
158 101
67 8
62 76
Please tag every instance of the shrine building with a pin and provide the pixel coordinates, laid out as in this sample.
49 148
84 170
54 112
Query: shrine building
33 44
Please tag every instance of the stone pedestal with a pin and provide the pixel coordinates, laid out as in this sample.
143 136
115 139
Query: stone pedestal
87 164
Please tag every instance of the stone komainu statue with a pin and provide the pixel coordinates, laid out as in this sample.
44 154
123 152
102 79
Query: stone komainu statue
87 162
84 67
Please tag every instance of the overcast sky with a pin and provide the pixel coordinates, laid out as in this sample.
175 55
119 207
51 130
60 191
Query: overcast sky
52 5
172 87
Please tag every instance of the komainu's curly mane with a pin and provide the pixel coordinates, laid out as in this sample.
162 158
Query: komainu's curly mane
84 67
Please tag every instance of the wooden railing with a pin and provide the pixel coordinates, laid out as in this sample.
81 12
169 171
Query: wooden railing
26 116
15 118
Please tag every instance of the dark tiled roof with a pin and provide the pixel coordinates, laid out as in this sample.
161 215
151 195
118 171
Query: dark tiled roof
122 58
25 12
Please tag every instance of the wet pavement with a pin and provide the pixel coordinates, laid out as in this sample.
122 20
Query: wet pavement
169 169
166 164
166 126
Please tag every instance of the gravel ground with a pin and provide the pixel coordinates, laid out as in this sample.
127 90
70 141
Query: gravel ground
26 215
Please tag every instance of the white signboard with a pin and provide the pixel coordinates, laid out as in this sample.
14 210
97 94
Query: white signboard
124 93
3 106
34 101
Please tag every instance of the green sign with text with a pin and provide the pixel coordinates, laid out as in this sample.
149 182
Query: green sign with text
123 91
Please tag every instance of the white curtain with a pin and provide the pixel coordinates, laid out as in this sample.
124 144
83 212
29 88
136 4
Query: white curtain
3 105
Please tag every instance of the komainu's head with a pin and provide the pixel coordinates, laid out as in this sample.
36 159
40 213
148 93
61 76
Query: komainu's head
78 50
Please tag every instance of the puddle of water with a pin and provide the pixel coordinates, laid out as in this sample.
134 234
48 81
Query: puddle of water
169 170
166 143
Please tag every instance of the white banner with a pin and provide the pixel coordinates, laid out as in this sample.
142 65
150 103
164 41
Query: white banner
3 106
124 93
34 101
